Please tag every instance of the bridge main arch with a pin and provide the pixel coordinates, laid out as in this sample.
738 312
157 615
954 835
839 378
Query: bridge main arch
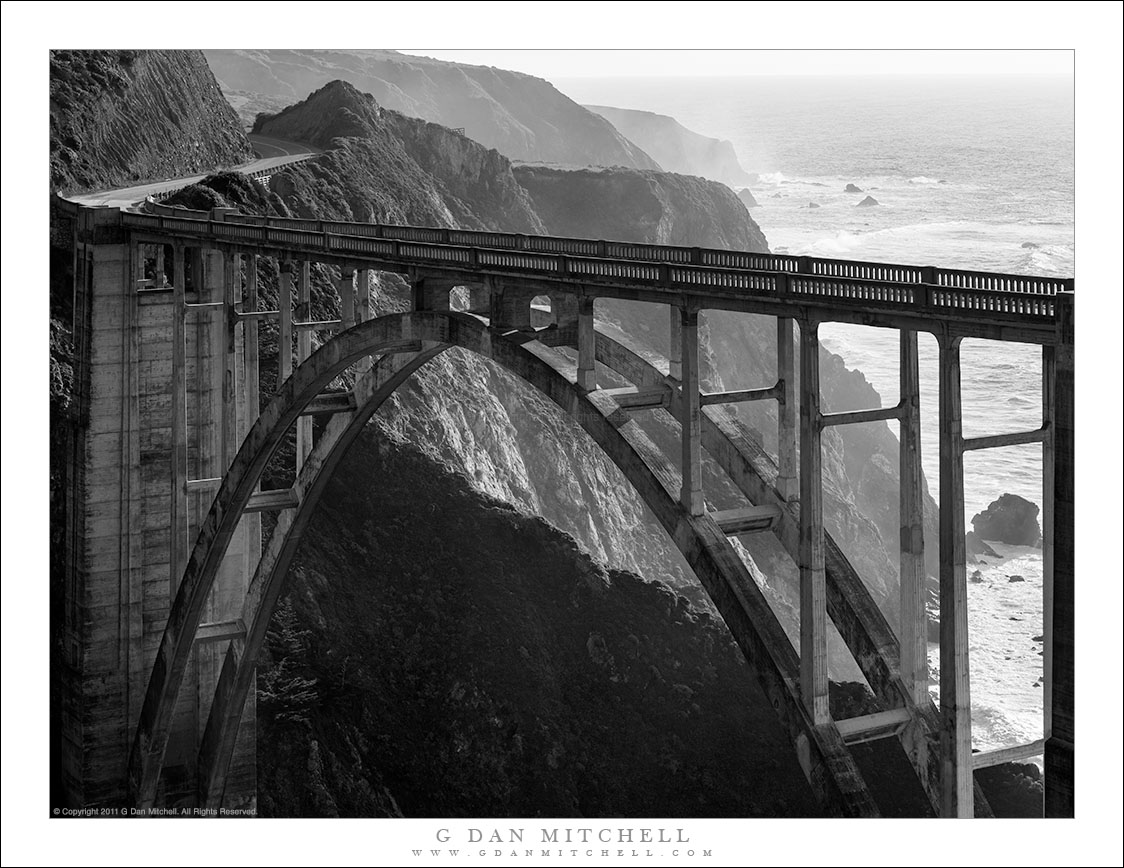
830 770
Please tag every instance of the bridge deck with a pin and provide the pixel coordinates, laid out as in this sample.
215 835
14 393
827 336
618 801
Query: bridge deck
966 303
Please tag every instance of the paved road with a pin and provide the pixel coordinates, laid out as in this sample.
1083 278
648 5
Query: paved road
270 147
274 153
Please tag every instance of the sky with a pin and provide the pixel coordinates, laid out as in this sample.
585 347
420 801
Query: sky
600 63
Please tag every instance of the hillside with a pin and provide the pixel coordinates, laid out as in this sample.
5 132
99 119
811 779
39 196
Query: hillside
676 148
383 166
119 117
522 117
634 205
443 655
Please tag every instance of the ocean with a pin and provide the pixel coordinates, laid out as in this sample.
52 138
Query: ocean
968 172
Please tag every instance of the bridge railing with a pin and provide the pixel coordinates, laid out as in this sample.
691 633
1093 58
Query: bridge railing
726 259
835 282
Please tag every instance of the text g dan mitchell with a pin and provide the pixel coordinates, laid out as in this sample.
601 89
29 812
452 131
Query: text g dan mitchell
574 835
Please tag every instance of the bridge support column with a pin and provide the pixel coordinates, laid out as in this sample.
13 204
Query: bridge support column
179 544
565 308
912 629
345 287
431 294
786 411
252 397
1058 528
510 307
285 322
587 340
691 495
956 701
230 434
304 350
103 618
363 311
675 345
813 587
480 298
363 295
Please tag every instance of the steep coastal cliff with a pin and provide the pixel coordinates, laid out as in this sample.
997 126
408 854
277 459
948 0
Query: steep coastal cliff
523 117
118 117
636 205
676 148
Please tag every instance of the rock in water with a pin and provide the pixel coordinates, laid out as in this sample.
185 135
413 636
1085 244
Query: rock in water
776 195
974 546
851 188
1010 519
746 196
813 205
868 202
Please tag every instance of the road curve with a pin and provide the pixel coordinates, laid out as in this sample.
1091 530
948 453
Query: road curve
273 153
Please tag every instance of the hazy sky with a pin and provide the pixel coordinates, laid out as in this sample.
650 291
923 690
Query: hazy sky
576 63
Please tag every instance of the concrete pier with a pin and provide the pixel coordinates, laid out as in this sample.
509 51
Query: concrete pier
956 700
913 628
786 411
691 495
813 589
1058 558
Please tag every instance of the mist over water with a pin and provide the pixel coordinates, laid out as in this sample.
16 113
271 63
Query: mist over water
969 172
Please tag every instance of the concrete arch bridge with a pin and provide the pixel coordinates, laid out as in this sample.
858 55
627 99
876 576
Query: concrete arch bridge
172 585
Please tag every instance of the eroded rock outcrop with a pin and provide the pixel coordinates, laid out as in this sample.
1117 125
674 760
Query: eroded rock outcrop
382 166
1010 519
119 117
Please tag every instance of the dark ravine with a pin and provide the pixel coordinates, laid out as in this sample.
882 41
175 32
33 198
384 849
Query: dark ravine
444 655
324 704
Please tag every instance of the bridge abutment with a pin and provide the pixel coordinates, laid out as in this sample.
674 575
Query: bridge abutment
166 389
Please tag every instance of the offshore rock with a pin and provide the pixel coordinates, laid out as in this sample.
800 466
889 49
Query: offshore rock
868 202
747 197
1010 519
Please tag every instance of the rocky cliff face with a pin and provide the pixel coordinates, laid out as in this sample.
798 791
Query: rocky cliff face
383 166
676 148
523 117
636 205
119 117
